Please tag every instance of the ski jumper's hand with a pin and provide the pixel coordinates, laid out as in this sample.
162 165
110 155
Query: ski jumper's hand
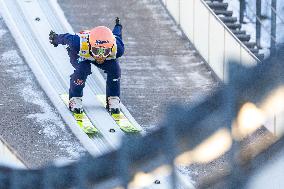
117 21
52 36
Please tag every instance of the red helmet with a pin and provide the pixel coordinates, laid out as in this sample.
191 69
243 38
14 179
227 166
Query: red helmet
101 36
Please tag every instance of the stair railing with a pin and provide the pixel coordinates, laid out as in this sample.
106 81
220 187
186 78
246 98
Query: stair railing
211 37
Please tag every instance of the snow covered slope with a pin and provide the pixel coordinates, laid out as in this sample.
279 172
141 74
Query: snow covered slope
31 125
52 71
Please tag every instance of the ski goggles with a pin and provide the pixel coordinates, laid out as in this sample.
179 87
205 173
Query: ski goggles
100 51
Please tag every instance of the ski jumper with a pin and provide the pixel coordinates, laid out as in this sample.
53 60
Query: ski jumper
81 59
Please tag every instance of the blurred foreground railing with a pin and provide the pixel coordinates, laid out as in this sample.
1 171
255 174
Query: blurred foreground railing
217 125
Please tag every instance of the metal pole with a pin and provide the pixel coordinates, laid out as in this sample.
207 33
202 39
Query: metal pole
123 162
257 22
273 27
242 10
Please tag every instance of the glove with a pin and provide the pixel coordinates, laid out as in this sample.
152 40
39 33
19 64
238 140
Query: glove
117 21
52 36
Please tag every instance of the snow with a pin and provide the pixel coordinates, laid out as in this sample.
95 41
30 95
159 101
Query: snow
265 29
50 122
2 32
158 15
8 162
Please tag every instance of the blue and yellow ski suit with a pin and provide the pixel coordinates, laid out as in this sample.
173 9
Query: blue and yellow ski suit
83 66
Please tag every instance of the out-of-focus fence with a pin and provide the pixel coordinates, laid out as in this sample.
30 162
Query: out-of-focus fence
211 37
200 133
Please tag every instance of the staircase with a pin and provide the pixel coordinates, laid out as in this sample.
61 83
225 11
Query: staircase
220 9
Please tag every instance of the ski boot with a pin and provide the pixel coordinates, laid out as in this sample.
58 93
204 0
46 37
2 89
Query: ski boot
75 105
114 105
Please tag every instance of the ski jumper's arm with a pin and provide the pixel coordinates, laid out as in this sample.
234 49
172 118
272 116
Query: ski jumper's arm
120 45
73 41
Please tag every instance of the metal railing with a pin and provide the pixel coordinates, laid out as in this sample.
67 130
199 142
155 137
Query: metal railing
210 36
257 16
